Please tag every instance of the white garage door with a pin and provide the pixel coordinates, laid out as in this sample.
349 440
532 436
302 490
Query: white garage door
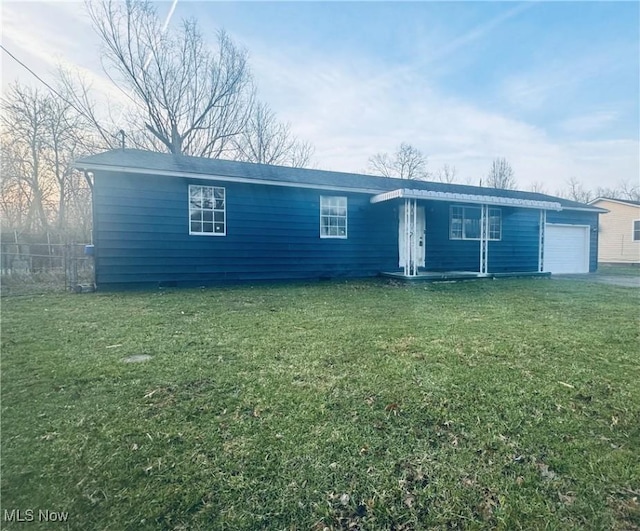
566 248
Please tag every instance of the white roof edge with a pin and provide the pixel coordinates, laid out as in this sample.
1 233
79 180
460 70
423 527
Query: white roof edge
212 177
597 210
619 201
466 198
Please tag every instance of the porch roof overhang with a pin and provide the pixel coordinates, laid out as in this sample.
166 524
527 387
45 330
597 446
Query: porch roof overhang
406 193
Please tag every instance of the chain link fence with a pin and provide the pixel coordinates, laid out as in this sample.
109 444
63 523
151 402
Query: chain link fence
32 264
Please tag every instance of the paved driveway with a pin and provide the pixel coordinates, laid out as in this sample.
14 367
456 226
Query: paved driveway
627 281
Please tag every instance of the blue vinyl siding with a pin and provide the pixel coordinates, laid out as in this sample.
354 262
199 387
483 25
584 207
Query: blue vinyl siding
517 251
574 217
141 234
273 233
443 254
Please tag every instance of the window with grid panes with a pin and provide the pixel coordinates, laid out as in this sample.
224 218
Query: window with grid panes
207 210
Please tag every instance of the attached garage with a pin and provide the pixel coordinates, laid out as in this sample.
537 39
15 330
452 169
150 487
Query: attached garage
566 248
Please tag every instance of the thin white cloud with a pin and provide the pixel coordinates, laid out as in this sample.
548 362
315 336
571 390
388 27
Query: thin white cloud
588 123
438 54
350 113
478 32
533 87
62 38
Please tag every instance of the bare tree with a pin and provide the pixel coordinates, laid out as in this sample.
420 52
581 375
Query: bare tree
538 187
24 117
301 155
501 175
62 133
447 174
473 181
77 92
576 191
15 192
629 190
265 140
408 162
188 100
41 137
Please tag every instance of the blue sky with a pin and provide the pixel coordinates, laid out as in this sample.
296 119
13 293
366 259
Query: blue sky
551 86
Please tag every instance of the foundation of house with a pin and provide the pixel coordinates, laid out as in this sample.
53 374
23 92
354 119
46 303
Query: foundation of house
448 276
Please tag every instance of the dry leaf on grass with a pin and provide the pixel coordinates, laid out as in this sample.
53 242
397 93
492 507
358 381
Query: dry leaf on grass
568 498
546 472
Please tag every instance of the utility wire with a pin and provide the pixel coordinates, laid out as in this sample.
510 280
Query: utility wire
164 28
49 86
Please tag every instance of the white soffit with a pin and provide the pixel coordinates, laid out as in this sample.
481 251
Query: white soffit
465 198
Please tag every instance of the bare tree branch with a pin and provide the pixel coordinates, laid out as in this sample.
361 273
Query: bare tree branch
501 175
41 137
447 174
408 162
188 100
265 140
538 187
576 191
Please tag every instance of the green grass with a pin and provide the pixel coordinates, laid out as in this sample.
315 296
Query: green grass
511 404
619 269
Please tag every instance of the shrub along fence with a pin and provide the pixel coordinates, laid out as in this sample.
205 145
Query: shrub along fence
32 263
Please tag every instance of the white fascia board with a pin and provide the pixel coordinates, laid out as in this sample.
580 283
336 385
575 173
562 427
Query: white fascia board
208 177
466 198
618 201
594 209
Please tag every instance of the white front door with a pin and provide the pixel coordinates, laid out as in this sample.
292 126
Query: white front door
406 237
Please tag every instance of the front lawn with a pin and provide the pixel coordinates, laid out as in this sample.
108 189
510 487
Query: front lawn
511 404
630 270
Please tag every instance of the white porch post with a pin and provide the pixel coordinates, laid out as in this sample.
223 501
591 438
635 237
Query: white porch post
414 238
543 222
484 238
411 241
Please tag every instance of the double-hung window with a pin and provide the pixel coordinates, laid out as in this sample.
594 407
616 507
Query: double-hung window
495 224
464 223
207 210
333 217
636 230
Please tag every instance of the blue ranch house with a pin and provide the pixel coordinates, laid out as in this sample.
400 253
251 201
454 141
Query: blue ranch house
169 220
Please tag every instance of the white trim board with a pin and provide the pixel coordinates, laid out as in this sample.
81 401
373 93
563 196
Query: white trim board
618 201
465 198
207 177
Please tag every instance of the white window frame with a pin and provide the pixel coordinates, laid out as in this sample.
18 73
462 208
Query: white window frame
633 230
326 215
214 190
499 215
468 207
